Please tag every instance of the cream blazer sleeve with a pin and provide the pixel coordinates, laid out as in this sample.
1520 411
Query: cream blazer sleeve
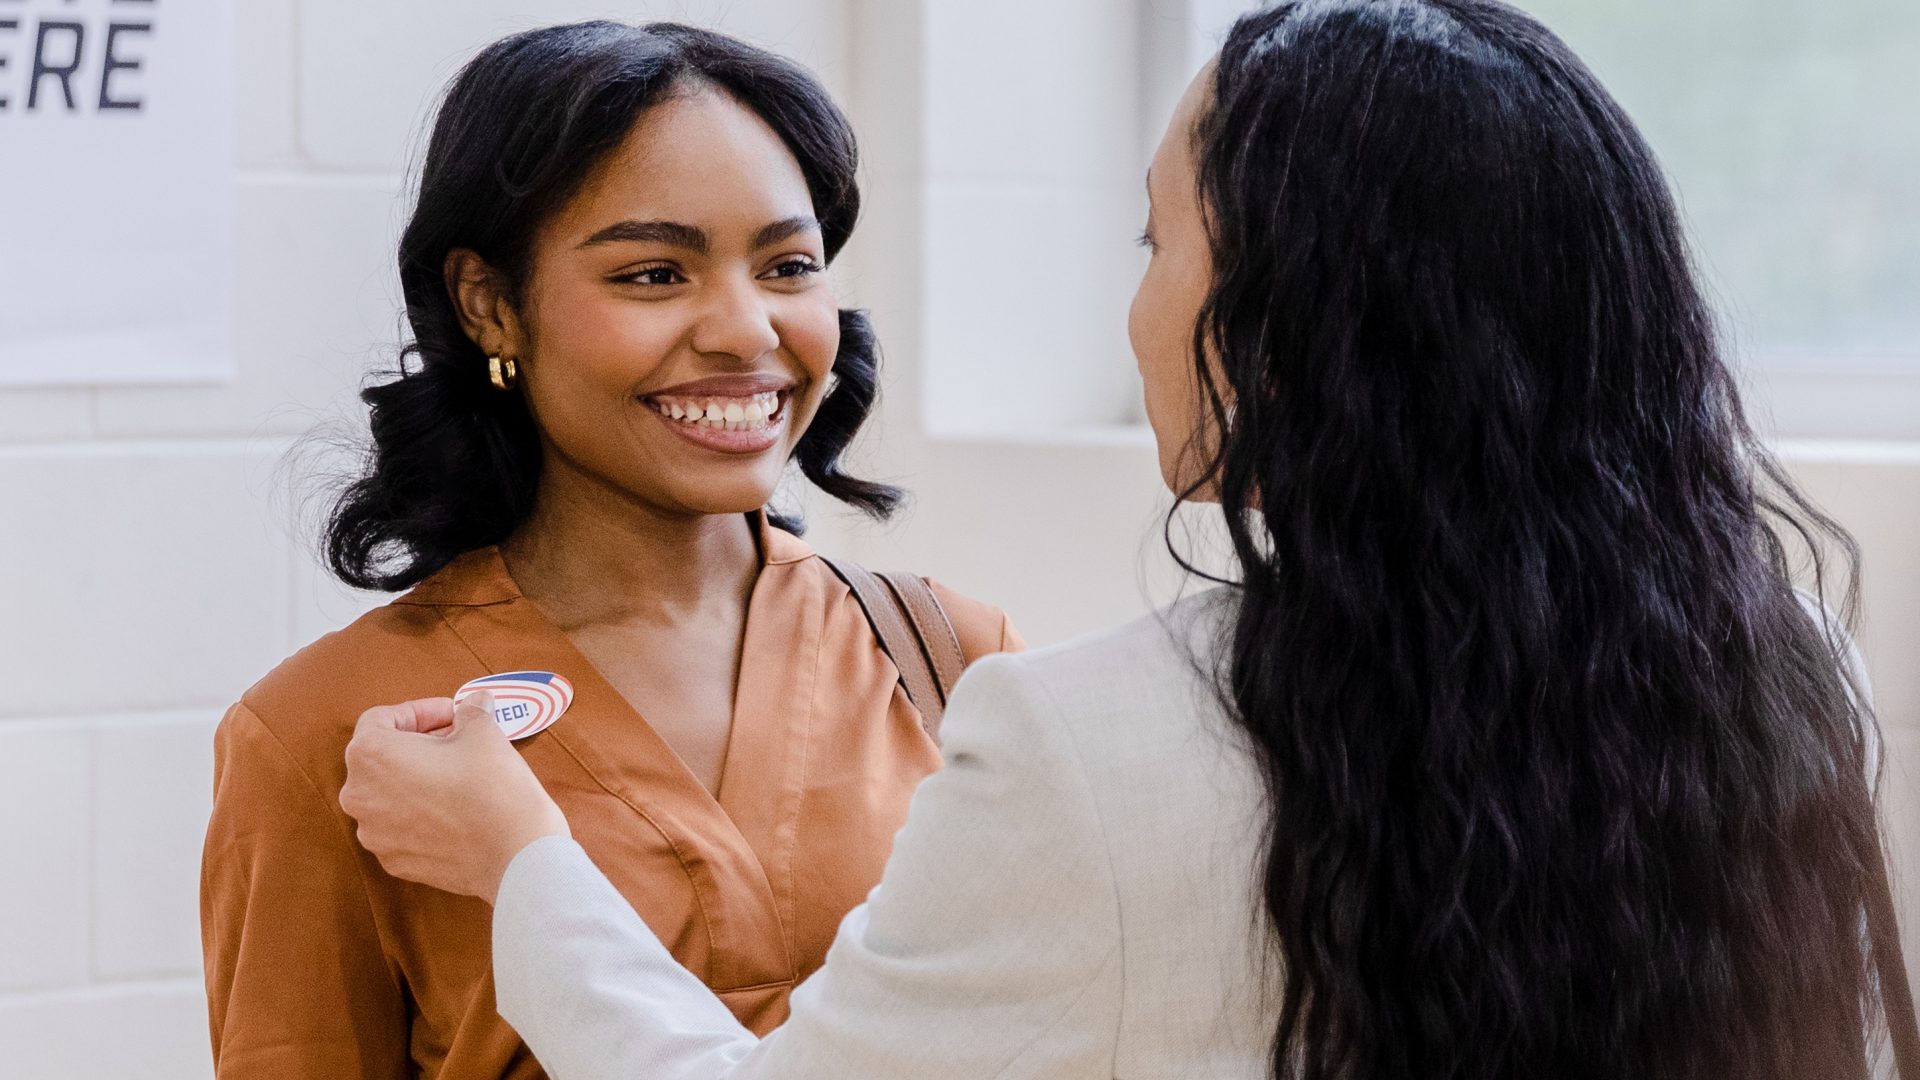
991 948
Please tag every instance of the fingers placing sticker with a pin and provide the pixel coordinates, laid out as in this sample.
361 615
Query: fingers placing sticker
525 703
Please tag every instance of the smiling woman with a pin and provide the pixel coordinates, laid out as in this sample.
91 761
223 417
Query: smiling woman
687 267
686 208
623 331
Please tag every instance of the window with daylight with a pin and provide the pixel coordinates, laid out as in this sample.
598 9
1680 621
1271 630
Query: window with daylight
1787 127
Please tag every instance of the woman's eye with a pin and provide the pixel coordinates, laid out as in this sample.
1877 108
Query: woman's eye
1145 240
795 268
653 275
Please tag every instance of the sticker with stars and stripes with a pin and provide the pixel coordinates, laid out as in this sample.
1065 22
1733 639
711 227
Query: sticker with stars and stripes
525 703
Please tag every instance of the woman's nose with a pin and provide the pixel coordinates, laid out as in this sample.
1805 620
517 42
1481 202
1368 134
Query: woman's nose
736 321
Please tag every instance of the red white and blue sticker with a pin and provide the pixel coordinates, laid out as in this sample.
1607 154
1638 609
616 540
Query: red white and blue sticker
525 703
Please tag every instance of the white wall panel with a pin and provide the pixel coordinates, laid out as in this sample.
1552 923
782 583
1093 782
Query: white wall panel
263 78
1023 91
44 414
1025 308
43 867
318 306
371 71
1033 175
153 1032
152 794
145 575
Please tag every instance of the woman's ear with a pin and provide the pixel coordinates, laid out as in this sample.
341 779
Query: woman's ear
479 296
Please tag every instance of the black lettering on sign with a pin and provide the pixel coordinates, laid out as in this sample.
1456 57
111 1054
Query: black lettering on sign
63 72
6 25
114 63
69 52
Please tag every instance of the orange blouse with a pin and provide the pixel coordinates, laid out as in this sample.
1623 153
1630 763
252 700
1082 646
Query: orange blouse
319 964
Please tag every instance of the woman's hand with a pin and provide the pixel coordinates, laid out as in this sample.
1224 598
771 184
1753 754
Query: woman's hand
442 797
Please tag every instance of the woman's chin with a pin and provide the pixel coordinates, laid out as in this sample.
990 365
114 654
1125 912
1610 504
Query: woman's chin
725 494
708 482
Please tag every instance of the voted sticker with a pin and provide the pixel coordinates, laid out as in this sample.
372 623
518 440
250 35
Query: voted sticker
525 703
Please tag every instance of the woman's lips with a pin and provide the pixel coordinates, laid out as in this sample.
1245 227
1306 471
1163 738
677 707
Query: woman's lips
739 385
744 424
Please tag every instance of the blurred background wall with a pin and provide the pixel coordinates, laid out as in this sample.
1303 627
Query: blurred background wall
156 542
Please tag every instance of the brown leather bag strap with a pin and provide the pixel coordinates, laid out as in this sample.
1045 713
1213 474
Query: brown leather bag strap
901 636
1896 994
932 627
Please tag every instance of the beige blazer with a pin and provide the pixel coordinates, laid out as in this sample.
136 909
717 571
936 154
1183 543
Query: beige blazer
1073 898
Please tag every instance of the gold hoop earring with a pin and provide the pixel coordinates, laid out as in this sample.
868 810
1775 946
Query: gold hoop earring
502 373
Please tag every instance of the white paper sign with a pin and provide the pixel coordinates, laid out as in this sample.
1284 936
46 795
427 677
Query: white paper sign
116 191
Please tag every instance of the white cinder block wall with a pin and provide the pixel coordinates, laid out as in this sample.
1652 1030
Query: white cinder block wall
155 556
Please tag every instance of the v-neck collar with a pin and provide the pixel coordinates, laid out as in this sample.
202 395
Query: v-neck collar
745 832
479 577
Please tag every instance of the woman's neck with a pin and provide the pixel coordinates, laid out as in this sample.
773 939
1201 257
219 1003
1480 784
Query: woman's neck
589 554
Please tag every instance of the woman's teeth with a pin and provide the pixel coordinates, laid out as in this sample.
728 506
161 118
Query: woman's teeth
731 414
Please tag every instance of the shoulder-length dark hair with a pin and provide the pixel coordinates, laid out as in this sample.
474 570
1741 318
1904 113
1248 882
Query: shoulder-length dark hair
454 463
1566 782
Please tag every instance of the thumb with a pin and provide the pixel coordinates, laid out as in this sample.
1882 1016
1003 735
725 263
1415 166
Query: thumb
474 714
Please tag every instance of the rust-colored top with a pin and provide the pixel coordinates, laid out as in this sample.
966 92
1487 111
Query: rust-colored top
319 964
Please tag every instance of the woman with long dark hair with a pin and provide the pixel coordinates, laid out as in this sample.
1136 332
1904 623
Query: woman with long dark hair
1511 752
622 335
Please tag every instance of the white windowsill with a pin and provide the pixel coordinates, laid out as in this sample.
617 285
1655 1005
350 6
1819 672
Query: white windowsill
1837 451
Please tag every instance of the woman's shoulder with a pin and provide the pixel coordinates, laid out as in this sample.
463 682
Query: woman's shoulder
1130 716
402 650
982 628
1163 642
1156 669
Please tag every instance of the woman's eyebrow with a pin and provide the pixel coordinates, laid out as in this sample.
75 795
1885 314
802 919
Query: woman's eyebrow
781 230
672 233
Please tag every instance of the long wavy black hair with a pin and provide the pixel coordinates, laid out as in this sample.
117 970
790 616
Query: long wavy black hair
1567 781
454 463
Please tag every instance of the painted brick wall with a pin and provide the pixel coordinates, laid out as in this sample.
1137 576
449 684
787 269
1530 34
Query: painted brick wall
157 557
